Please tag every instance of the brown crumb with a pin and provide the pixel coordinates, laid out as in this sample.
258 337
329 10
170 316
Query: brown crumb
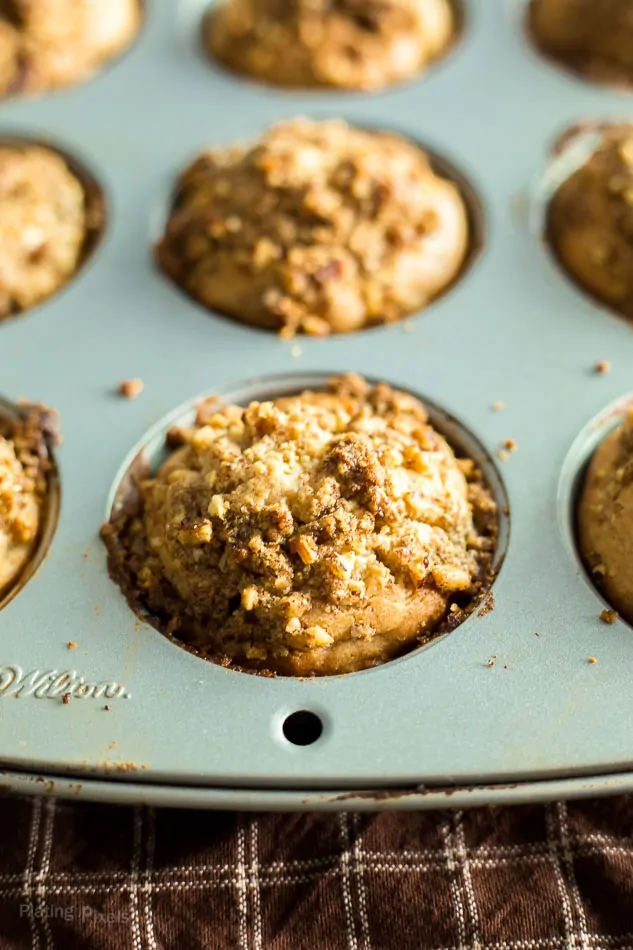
131 388
505 666
592 659
602 367
498 406
503 455
494 656
537 634
66 699
72 645
491 662
106 709
608 616
510 445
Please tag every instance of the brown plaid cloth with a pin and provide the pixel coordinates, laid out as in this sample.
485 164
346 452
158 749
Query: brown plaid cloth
531 878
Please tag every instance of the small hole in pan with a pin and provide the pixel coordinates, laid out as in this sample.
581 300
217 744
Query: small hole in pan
152 451
442 165
95 209
302 727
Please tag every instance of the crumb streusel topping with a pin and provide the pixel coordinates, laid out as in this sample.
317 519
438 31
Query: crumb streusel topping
320 227
349 44
319 533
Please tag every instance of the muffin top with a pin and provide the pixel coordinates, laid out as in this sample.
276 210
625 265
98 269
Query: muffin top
590 220
605 518
320 227
24 467
350 44
48 44
595 38
318 533
42 225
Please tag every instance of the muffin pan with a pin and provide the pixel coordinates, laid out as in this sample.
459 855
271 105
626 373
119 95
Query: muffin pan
510 696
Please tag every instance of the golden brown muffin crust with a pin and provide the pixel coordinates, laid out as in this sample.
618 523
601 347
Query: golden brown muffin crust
319 533
593 37
605 518
43 225
48 44
590 221
352 44
320 227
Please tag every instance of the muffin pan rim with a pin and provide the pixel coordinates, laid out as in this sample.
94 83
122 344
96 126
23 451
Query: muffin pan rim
449 717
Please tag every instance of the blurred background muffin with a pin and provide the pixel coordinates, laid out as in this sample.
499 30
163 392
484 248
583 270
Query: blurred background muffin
350 44
319 227
48 44
45 222
590 220
593 37
605 518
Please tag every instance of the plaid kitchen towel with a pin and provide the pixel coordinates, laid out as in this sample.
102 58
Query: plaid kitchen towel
532 878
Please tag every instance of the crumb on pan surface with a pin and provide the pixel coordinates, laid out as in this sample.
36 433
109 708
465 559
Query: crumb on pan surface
349 44
592 37
319 227
25 465
45 224
49 44
590 221
605 520
316 534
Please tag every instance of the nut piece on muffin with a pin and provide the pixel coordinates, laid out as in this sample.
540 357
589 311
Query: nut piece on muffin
349 44
49 44
44 225
590 221
605 518
320 533
319 227
592 37
25 466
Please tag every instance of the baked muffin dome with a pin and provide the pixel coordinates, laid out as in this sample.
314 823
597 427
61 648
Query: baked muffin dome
315 534
24 468
590 221
350 44
605 518
42 225
594 37
48 44
319 227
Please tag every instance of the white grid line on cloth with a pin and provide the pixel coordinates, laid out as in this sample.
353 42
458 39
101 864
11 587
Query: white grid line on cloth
241 884
456 894
361 884
488 857
581 838
568 858
26 890
148 911
561 883
344 868
469 891
135 916
254 882
42 874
